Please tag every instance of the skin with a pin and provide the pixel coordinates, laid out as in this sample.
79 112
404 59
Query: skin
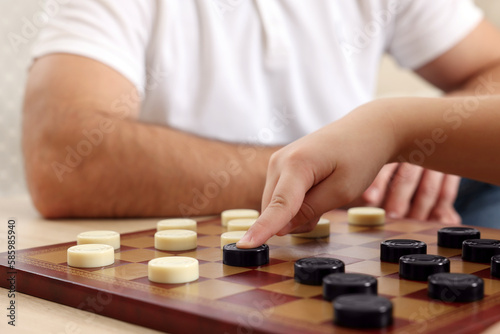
172 165
320 172
409 191
176 167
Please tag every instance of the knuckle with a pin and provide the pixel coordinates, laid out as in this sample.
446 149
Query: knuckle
449 192
429 190
306 227
447 215
455 218
400 208
298 160
274 160
297 155
279 202
307 212
408 172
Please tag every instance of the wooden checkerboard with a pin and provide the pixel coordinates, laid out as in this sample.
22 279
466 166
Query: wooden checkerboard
256 299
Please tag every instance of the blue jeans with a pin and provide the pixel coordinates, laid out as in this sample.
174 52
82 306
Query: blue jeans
478 203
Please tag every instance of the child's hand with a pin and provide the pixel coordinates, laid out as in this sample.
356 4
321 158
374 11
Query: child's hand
320 172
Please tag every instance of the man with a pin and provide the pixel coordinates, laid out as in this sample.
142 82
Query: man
156 108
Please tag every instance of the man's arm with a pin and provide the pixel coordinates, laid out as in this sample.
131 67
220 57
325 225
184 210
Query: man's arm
411 191
86 155
476 58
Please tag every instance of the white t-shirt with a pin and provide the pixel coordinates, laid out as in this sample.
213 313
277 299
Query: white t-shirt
255 71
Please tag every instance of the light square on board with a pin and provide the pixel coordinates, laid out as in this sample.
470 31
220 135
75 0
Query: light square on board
419 310
141 242
206 254
292 288
346 259
289 254
406 227
216 270
379 233
459 266
373 244
128 271
212 289
210 229
284 269
443 251
375 268
140 255
490 234
209 241
351 239
491 286
310 310
397 287
52 257
318 246
286 240
358 252
428 239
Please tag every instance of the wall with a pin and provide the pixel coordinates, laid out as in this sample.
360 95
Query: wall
13 64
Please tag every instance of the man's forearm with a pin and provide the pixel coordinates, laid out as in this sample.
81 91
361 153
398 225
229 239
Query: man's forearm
486 82
101 165
86 155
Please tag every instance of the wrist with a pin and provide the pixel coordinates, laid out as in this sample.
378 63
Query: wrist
380 120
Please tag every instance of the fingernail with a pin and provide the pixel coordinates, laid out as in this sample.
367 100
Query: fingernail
244 241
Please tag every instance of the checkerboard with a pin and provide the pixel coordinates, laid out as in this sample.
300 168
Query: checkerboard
255 299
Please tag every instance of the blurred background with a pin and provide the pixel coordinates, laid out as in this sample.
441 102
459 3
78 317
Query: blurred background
14 53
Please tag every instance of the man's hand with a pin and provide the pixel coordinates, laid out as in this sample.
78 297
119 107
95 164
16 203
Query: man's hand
409 191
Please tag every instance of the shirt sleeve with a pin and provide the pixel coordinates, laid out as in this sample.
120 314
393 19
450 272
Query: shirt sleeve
424 30
115 33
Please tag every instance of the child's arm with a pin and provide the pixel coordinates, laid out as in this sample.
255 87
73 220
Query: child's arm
335 164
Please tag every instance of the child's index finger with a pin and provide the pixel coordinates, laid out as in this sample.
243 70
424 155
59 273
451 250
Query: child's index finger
286 201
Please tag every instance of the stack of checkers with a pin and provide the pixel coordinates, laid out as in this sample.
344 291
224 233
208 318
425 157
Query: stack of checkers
175 235
97 249
94 249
